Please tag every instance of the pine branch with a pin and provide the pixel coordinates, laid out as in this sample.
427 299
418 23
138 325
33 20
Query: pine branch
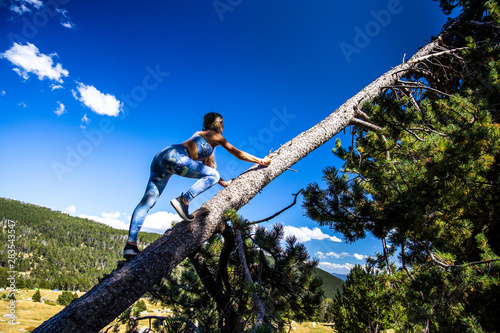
362 114
490 24
435 55
442 263
259 306
278 213
365 124
222 299
420 86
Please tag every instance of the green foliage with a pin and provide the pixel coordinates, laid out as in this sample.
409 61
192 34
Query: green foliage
212 289
140 306
129 316
37 297
54 250
363 305
428 186
470 10
472 325
66 297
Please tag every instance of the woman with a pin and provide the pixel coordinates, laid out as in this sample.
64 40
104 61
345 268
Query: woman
193 158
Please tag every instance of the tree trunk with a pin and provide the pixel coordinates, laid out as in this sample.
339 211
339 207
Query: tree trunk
113 295
230 319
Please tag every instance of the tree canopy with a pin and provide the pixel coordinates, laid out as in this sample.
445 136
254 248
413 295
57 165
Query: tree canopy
245 279
422 175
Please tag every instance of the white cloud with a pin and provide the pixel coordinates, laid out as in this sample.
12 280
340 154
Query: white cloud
336 255
2 93
20 9
84 121
28 59
71 209
103 104
304 234
60 110
25 6
36 3
56 86
65 20
111 219
360 256
159 222
336 268
23 104
68 24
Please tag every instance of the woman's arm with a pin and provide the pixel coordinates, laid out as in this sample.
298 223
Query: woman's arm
239 154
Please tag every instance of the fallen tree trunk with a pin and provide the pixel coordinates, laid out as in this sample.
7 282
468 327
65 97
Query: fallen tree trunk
113 295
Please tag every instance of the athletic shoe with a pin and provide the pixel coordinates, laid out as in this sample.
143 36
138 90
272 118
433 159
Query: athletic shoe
181 208
130 251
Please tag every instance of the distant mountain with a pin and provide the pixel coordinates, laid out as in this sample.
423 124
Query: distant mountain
343 277
54 250
57 251
330 283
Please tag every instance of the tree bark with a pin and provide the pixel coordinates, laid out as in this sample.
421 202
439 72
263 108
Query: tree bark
113 295
260 309
230 319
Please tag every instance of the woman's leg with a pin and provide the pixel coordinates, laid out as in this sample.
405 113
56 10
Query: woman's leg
177 161
155 187
207 177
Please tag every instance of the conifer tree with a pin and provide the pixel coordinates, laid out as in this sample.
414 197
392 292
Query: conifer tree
247 278
423 176
37 297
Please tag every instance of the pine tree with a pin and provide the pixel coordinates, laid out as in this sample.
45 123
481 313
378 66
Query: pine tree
248 278
423 177
37 297
362 305
66 297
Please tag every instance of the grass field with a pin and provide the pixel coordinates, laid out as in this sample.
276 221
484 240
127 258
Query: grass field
30 314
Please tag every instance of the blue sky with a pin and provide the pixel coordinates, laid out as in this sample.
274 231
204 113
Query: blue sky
91 90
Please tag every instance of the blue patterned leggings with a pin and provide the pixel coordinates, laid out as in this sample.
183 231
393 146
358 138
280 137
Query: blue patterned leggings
173 160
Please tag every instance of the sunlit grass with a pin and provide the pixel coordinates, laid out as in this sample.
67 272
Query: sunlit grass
31 314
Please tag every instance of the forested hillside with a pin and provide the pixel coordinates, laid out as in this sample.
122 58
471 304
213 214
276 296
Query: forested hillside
58 251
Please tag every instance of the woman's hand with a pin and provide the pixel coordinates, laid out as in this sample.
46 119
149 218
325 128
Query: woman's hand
224 183
266 161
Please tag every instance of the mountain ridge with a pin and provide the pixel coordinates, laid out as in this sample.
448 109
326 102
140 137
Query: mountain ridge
55 250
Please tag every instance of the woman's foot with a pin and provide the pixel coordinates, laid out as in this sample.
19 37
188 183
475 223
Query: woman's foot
181 207
130 251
